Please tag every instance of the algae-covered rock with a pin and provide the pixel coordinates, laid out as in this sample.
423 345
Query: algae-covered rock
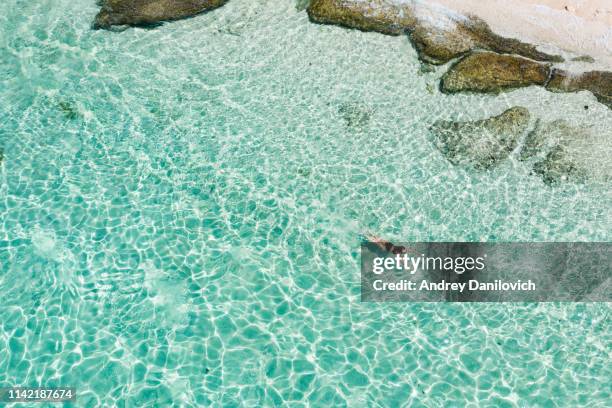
563 152
382 16
584 58
482 143
147 12
437 46
493 73
486 39
598 82
458 35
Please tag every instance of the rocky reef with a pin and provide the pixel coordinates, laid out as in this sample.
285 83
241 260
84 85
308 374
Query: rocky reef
562 152
598 82
493 73
148 12
490 63
437 36
556 151
481 144
489 72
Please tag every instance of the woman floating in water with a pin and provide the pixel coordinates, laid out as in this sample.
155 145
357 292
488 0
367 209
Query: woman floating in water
386 245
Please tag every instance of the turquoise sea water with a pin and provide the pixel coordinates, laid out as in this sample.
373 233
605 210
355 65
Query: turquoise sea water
181 210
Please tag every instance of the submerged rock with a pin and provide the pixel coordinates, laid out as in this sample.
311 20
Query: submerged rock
426 68
562 152
147 12
539 142
438 34
68 109
493 73
482 143
598 82
584 58
355 115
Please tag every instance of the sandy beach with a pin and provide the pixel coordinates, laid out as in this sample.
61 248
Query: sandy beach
575 27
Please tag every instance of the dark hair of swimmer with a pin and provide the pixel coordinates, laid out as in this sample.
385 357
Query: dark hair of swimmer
398 250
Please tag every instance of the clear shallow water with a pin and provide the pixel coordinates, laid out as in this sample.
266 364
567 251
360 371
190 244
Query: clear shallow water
181 210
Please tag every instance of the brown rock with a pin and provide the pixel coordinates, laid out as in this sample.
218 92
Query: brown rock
438 46
487 39
374 15
147 12
438 38
493 73
598 82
